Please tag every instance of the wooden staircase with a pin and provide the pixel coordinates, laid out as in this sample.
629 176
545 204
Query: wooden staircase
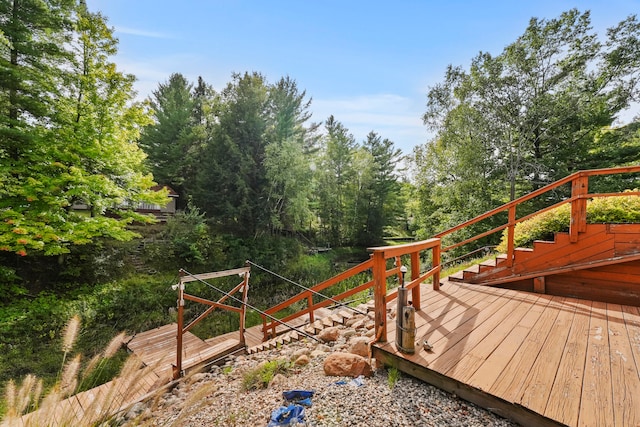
602 265
339 317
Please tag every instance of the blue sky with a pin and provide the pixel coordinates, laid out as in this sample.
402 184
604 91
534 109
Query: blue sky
369 63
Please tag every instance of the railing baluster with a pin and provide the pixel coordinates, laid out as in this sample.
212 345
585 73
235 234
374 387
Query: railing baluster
511 232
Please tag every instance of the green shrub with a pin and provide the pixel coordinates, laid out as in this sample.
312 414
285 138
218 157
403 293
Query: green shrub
261 376
393 375
622 209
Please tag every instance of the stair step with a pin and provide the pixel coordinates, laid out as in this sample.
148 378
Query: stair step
485 267
327 322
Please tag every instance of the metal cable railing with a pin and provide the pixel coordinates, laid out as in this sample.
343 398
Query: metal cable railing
337 302
228 295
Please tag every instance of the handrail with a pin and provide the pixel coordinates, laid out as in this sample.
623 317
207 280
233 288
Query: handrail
308 296
579 195
377 264
186 277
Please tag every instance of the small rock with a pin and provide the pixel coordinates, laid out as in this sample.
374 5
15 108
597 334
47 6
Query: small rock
347 333
350 322
329 334
278 380
302 360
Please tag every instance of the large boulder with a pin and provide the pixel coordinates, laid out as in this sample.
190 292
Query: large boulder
346 365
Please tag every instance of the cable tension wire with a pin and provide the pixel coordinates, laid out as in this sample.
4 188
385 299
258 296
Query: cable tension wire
182 270
340 303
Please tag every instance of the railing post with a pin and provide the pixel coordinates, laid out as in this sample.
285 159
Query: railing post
310 307
380 294
511 235
579 187
415 273
435 256
178 368
243 307
265 330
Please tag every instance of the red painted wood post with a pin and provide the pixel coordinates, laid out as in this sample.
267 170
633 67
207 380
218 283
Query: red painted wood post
178 368
243 308
579 187
380 295
310 307
435 257
511 235
415 273
265 333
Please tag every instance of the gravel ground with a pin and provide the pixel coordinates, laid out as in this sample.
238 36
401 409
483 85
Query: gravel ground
216 398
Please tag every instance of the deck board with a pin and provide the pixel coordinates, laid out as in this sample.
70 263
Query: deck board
624 373
562 404
538 359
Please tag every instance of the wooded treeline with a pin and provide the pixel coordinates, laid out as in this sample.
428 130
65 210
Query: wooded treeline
248 161
249 158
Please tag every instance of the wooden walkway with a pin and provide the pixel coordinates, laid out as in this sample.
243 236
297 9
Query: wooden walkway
157 348
536 359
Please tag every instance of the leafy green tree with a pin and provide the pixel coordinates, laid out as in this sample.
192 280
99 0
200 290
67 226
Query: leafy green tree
538 104
526 117
69 131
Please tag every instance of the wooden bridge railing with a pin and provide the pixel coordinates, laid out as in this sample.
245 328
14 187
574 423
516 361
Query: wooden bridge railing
269 324
579 194
242 287
579 182
377 264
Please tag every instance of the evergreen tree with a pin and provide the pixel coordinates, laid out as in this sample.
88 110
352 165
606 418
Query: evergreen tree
169 140
287 167
334 173
231 180
382 205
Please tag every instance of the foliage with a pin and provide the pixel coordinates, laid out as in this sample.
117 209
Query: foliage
260 376
188 236
32 326
623 209
537 111
46 402
393 375
69 131
10 286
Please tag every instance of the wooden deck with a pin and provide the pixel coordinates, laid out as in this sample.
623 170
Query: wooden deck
536 359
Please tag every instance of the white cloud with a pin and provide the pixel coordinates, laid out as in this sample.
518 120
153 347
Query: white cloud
143 33
391 116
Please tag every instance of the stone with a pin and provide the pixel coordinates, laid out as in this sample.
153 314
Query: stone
278 380
341 364
329 334
300 352
350 322
317 353
347 333
360 346
302 360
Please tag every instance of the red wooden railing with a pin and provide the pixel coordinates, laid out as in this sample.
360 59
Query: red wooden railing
185 278
579 182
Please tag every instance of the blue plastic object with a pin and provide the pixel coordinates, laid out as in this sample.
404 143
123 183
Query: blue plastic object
297 394
286 415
